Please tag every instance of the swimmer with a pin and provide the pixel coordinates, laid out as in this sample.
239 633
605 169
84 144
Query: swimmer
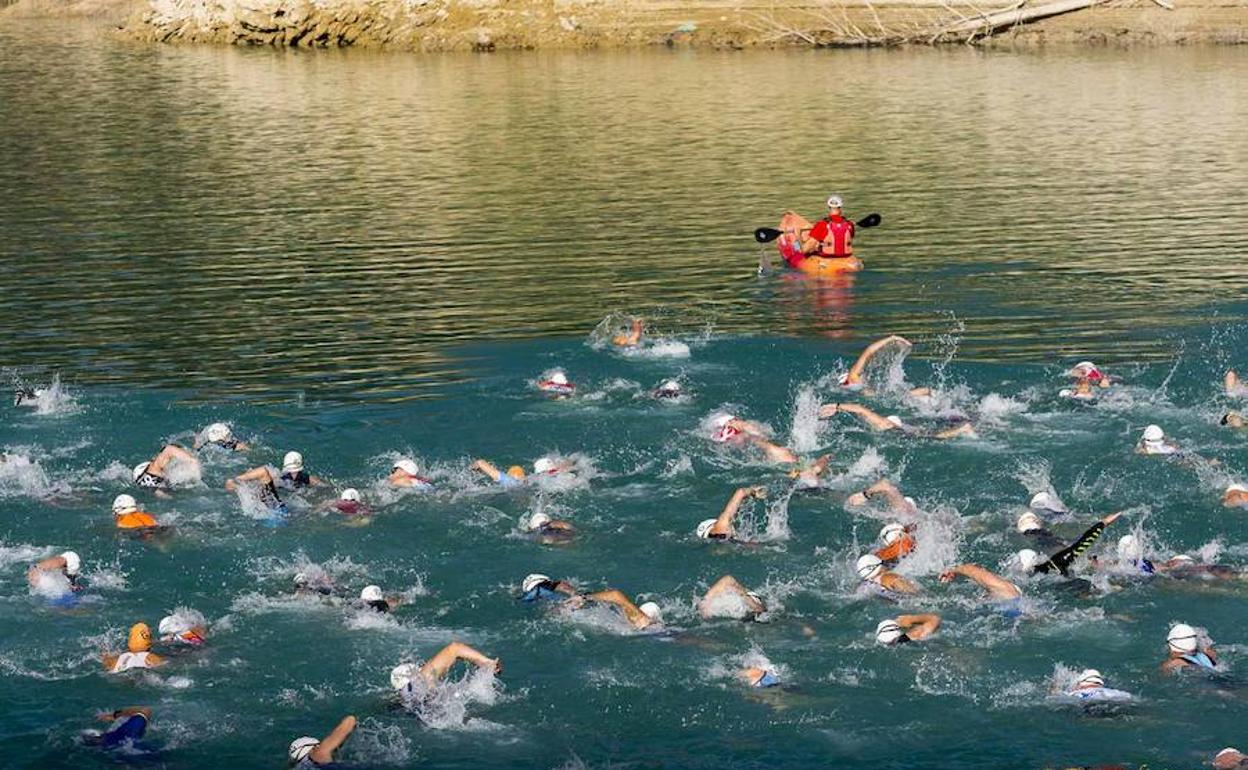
632 337
1131 555
898 542
873 574
885 490
806 475
314 581
557 384
129 724
1090 687
1045 502
642 617
731 429
1153 442
372 598
126 515
1030 526
512 478
1230 759
853 378
998 588
349 503
1235 496
722 528
1232 385
219 434
266 492
138 652
403 678
878 422
1233 420
668 390
308 752
537 587
151 474
1086 377
177 630
406 473
906 628
1184 651
25 395
1061 561
761 678
1184 567
294 476
727 598
548 529
67 564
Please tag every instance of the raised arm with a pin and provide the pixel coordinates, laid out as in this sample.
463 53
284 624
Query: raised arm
1065 557
998 587
871 418
855 372
437 666
617 598
323 753
486 467
724 524
919 626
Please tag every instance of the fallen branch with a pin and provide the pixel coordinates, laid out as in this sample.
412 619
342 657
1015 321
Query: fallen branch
992 22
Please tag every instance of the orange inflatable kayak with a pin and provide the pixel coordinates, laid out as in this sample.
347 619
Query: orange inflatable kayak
793 225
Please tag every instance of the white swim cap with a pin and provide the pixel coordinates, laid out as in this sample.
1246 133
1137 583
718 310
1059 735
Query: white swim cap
1090 677
543 465
1027 559
1129 548
891 533
407 466
1084 366
1047 501
292 462
124 504
1237 487
869 566
301 577
139 470
402 675
704 528
300 748
72 563
723 420
651 610
1154 433
1028 522
533 581
1183 558
350 495
537 521
173 624
888 632
894 419
835 202
218 431
372 594
1227 750
559 378
670 385
1182 638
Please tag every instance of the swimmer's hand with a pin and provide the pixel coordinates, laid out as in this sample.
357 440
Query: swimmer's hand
948 576
495 665
1111 518
231 485
757 492
828 410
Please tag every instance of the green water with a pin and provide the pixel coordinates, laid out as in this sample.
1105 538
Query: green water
363 256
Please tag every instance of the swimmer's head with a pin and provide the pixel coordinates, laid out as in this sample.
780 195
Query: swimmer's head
723 431
72 563
888 633
835 203
1129 548
138 471
1233 419
292 462
172 625
543 465
218 431
670 388
140 638
407 466
894 419
372 594
704 528
516 472
891 533
559 378
651 610
869 566
1236 487
301 579
533 581
1229 758
1027 559
1088 679
537 521
1182 639
300 748
1028 522
1086 369
123 504
350 495
1153 434
1046 501
402 675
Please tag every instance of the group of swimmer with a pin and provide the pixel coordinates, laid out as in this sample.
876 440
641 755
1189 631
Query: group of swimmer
1188 647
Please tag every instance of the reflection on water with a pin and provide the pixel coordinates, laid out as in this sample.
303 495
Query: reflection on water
256 222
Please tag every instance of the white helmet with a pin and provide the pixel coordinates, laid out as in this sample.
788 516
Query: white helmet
1182 638
218 431
651 610
372 594
559 378
173 624
537 521
1090 677
292 462
300 748
704 528
888 632
1028 522
139 470
1154 433
869 566
350 495
891 533
72 563
407 466
124 504
1027 559
543 465
835 202
403 674
1129 548
533 581
1047 501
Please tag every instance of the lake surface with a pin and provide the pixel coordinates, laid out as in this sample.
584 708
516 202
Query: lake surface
365 256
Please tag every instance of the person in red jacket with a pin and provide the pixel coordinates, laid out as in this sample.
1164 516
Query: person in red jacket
832 236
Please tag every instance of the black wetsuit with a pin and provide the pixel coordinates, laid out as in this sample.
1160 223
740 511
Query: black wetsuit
1061 561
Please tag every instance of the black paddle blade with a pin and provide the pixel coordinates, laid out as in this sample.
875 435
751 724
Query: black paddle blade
766 234
870 220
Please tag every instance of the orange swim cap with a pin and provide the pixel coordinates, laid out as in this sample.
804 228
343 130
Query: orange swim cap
516 472
140 638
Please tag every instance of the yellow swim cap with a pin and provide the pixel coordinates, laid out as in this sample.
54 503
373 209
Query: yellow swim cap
516 472
140 638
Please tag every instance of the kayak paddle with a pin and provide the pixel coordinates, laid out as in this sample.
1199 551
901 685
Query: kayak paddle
769 234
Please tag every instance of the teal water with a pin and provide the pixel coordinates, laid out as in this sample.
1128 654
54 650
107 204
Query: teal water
294 244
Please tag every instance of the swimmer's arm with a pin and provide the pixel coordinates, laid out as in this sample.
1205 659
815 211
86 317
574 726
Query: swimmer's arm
260 474
439 664
126 711
617 598
1172 664
109 659
241 446
855 372
315 481
323 752
48 564
561 525
868 416
965 429
775 453
998 586
894 582
564 587
723 524
154 660
919 626
486 467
